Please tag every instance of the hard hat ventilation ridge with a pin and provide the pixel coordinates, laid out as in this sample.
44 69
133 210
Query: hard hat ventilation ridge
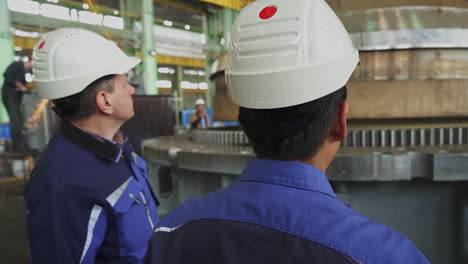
269 52
258 26
278 36
40 63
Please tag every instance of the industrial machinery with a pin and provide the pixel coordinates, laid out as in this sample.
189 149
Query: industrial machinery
405 162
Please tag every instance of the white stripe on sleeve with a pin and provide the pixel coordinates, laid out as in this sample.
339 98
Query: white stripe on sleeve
115 196
166 229
95 213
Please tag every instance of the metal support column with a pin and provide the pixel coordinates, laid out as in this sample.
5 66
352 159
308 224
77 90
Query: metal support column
228 17
208 64
148 50
7 53
180 92
122 10
217 27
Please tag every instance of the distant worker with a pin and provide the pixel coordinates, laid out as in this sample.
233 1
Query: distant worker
88 199
289 62
13 89
199 117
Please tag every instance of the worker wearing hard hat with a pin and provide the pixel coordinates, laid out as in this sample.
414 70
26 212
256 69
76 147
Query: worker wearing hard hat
199 117
88 200
289 62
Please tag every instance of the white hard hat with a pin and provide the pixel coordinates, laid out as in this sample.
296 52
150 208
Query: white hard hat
67 60
200 101
285 53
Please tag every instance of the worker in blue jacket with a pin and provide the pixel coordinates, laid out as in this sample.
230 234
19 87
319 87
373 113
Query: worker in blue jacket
89 199
289 62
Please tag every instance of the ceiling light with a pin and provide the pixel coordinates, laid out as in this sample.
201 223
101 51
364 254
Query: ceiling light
113 22
163 84
203 86
90 18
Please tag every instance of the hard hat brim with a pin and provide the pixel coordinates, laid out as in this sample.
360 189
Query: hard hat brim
131 63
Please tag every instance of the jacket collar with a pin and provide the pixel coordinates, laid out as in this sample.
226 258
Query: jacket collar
288 173
99 146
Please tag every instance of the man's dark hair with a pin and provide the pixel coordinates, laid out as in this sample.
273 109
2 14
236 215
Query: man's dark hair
82 105
291 133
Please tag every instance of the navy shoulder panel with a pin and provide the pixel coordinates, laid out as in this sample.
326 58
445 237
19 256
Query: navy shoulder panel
310 215
64 165
232 242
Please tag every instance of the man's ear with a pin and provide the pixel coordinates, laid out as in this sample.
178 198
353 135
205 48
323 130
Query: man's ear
104 102
339 129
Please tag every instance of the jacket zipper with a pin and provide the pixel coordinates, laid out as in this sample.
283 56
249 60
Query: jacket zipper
145 202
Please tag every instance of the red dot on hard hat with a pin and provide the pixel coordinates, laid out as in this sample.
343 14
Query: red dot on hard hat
268 12
41 45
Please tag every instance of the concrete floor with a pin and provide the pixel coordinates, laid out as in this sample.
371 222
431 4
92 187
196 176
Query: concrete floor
13 234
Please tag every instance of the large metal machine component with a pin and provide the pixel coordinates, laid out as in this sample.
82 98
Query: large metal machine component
405 161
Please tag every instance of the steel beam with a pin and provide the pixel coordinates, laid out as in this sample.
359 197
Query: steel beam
148 54
181 61
173 60
6 48
229 15
189 6
232 4
180 92
52 23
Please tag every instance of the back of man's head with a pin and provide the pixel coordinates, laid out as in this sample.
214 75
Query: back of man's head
291 133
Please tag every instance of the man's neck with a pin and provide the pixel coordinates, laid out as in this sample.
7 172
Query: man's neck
320 164
99 125
324 157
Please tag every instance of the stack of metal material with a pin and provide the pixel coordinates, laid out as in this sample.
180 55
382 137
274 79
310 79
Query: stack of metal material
405 162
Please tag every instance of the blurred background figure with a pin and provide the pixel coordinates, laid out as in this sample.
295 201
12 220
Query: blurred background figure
200 118
13 89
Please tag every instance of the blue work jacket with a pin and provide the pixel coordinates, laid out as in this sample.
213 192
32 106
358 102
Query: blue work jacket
89 201
277 212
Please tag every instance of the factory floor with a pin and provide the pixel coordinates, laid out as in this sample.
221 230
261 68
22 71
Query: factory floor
13 235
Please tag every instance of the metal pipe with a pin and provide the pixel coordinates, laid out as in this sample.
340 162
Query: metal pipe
460 136
450 136
393 138
6 48
148 49
373 138
432 137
